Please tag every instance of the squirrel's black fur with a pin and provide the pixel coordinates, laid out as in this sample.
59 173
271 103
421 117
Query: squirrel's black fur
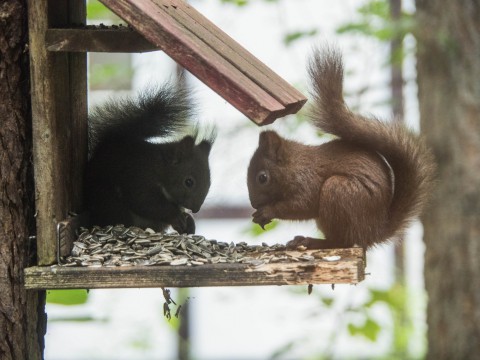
134 182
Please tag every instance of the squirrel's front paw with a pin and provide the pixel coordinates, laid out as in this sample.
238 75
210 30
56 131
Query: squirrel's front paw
261 217
296 242
303 243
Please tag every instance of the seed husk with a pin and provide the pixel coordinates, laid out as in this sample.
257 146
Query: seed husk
122 246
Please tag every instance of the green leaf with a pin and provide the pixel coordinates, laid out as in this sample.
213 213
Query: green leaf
327 301
67 297
394 297
96 10
376 21
376 8
236 2
362 28
291 37
370 330
255 230
284 350
85 318
377 296
243 2
110 75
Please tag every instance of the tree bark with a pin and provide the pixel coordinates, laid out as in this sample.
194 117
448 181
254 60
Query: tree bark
397 103
22 317
449 95
396 68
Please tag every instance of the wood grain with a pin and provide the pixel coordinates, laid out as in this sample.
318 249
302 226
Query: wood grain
233 52
59 116
349 269
197 56
97 40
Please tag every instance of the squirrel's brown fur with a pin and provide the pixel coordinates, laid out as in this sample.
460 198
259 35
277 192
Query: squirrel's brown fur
362 188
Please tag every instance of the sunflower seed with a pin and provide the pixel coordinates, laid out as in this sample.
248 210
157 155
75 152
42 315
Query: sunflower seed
120 246
181 261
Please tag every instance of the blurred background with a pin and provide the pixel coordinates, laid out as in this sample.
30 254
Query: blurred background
384 317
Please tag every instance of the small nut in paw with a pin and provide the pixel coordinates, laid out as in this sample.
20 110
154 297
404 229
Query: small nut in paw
260 218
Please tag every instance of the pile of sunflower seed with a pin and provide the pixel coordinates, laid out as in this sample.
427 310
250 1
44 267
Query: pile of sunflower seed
112 246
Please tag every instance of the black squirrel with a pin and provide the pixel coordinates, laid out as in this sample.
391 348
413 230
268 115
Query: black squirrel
134 182
362 188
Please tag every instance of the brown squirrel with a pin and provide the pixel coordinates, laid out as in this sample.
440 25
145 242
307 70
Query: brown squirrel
362 189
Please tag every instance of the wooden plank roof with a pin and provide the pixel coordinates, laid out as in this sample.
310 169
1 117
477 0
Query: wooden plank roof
212 56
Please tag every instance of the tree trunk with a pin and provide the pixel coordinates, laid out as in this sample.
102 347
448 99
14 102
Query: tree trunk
397 101
396 55
22 317
449 96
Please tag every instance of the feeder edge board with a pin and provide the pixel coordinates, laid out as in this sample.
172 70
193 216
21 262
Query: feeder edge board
347 270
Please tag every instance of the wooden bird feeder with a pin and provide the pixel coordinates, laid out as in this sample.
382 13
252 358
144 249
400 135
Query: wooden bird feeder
58 48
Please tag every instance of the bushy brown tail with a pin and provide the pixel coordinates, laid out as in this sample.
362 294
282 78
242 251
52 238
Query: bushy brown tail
412 162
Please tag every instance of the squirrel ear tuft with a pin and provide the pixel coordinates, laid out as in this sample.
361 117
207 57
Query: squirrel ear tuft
182 150
271 144
205 146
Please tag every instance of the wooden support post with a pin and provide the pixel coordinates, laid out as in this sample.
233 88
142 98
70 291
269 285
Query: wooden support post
59 115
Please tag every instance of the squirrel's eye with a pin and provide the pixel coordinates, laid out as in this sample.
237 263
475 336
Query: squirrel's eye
189 182
262 177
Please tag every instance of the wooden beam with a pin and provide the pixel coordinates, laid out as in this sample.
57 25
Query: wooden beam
59 115
233 52
198 58
111 39
348 269
207 57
